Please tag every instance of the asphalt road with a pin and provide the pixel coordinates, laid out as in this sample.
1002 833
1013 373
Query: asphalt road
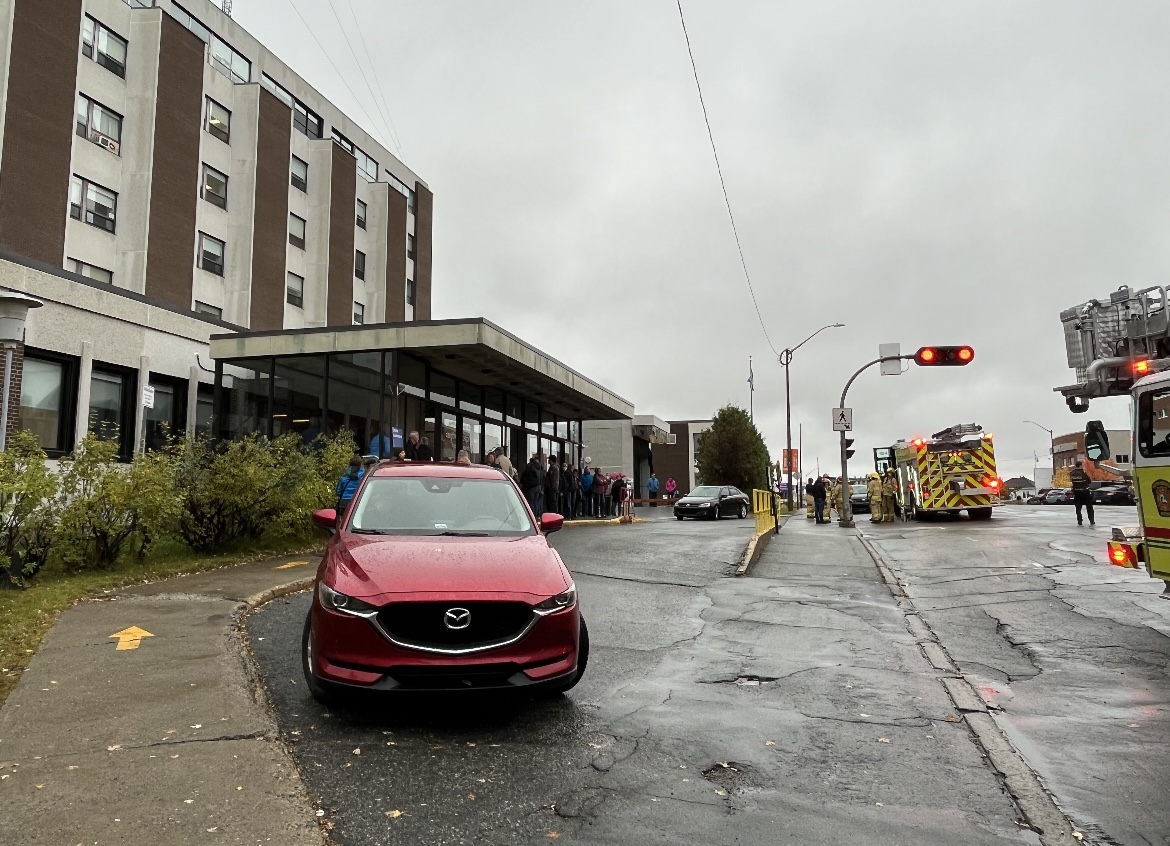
788 707
1074 652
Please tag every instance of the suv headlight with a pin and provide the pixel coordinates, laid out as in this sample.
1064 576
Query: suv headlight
337 601
560 602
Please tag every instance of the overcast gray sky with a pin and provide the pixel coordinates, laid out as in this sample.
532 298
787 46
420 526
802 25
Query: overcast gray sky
922 172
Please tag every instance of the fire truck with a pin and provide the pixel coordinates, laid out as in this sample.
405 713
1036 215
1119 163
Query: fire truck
1120 346
951 471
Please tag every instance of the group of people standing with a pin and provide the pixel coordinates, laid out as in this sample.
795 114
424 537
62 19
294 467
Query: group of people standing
826 495
822 497
882 493
554 486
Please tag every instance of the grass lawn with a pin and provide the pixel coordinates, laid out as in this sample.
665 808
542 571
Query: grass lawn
26 615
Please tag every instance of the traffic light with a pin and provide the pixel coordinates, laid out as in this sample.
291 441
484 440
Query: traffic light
944 356
849 452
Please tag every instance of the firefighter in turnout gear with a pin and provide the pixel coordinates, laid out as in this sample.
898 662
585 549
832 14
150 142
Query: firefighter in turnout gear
835 496
889 496
873 492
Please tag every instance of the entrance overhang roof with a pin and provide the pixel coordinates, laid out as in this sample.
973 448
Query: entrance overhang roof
475 350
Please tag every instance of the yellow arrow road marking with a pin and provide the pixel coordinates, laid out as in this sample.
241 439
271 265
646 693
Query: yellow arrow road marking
290 565
130 638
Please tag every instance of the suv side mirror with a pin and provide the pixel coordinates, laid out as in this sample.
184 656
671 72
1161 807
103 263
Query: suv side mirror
550 522
1096 441
326 518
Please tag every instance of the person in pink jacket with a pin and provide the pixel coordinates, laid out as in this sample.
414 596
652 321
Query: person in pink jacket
601 483
671 488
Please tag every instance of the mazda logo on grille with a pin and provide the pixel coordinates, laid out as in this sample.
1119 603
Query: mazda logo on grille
457 618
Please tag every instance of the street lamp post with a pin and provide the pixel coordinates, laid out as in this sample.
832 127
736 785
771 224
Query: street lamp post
14 308
785 359
1051 443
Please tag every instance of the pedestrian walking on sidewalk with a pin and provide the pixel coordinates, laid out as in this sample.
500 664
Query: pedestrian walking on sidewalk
889 496
1082 496
873 492
652 490
816 489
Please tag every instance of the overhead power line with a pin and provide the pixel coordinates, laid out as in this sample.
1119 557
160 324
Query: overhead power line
361 70
357 100
722 183
380 89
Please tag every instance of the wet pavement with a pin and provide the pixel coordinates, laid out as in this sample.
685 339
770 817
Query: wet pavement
1072 651
792 706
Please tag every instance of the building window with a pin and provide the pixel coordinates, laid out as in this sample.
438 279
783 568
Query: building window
361 214
219 121
191 22
410 246
209 310
410 292
1122 458
105 47
276 88
411 202
98 124
399 186
92 203
42 389
224 58
105 405
211 252
294 290
89 271
366 166
307 121
359 264
299 175
214 186
359 314
296 231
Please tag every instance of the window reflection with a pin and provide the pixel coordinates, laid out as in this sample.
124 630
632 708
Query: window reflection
41 388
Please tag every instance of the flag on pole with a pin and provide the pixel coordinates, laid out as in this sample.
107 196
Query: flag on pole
751 376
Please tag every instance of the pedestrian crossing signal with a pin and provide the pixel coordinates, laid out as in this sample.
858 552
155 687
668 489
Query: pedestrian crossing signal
944 356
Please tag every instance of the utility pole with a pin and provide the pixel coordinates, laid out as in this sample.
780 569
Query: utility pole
785 359
751 391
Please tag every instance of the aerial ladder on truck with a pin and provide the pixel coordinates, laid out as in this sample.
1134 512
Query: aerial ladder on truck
1121 347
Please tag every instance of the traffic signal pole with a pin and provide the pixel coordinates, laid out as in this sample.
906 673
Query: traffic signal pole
846 521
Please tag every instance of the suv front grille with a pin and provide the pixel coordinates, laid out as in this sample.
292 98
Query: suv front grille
421 624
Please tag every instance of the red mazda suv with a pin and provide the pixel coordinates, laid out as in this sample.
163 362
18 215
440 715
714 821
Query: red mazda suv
439 577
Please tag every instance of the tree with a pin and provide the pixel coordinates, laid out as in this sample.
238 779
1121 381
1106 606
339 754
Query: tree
732 452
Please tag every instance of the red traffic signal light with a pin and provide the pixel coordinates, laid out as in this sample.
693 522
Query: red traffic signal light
944 356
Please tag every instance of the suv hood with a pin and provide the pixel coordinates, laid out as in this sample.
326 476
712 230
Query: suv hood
412 567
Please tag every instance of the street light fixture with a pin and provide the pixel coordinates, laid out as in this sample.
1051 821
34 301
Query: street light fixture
1051 442
785 359
14 308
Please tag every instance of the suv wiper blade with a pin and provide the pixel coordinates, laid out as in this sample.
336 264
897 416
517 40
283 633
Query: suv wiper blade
458 534
372 531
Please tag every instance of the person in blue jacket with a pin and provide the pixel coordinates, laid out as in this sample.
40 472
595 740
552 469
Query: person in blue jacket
347 485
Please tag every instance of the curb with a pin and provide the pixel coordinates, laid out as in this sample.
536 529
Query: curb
1023 784
265 596
609 521
754 549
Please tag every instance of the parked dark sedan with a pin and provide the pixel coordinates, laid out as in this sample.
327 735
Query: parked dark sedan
713 502
1114 495
859 499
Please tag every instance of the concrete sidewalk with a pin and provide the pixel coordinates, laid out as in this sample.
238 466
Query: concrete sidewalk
152 738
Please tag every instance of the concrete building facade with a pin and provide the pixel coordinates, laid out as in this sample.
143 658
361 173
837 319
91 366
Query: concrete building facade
158 148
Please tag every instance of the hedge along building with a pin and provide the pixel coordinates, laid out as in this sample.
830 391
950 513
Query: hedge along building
461 384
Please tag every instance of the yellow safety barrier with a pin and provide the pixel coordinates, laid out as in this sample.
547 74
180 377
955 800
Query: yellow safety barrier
762 507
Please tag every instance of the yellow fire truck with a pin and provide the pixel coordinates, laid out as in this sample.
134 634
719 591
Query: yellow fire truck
951 471
1121 347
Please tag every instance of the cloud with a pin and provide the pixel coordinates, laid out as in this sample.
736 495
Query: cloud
924 173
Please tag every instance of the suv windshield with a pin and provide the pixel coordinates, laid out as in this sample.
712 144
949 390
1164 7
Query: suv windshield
706 490
419 505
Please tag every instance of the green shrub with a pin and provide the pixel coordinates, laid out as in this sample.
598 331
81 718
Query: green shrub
28 490
253 487
105 506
